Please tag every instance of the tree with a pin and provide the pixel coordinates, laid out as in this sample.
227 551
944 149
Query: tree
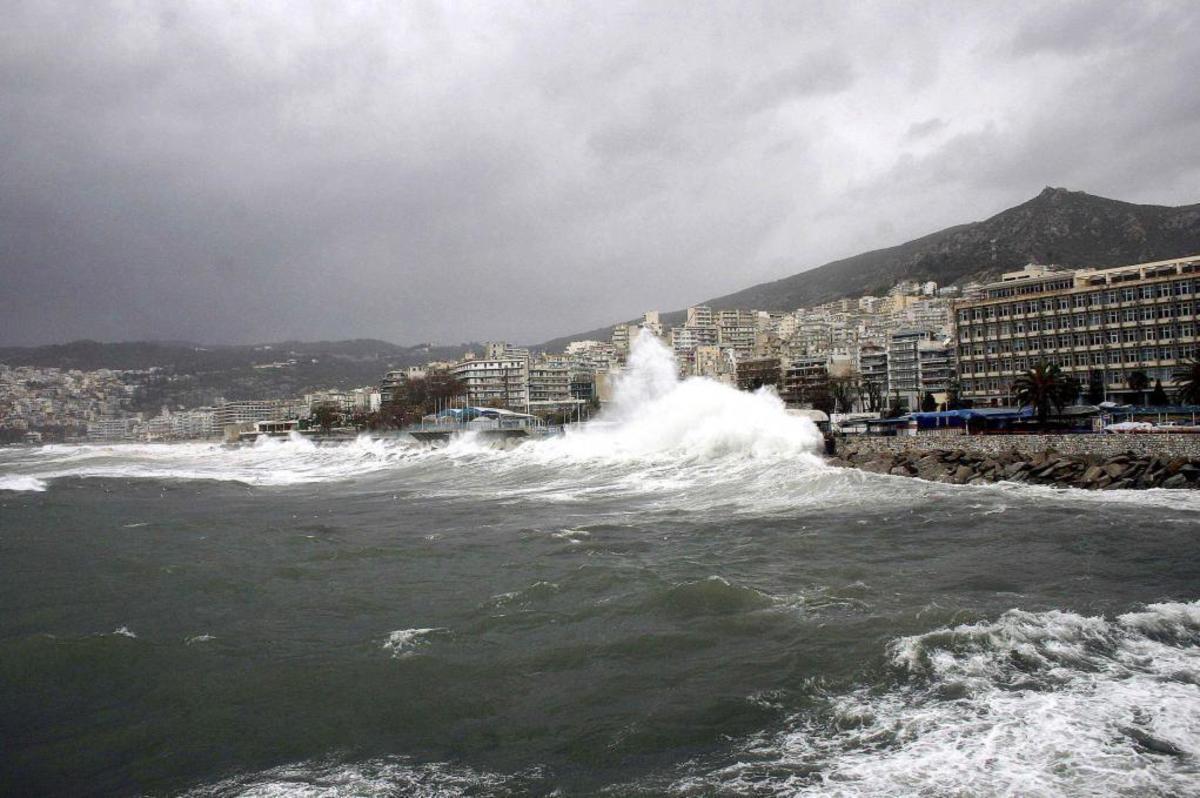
421 396
870 393
325 416
953 396
1187 379
928 403
1138 382
1044 388
843 390
1095 389
1158 397
896 409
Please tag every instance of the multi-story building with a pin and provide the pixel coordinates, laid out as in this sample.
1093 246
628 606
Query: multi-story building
392 385
700 316
739 339
622 338
549 382
500 350
736 318
498 382
652 322
112 430
684 340
805 378
753 374
247 411
1099 325
873 375
935 368
903 365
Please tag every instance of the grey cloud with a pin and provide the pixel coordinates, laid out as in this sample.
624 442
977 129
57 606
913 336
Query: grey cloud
448 172
920 130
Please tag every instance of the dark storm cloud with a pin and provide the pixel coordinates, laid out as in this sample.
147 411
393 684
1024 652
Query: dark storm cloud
254 171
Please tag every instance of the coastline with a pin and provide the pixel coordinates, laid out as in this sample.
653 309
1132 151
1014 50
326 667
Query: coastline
963 461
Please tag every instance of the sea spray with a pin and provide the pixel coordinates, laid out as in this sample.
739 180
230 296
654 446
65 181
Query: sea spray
655 415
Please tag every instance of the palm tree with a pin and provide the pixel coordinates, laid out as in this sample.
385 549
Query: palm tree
1138 382
1187 379
1044 387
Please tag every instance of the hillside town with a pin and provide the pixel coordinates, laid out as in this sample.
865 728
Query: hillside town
1120 335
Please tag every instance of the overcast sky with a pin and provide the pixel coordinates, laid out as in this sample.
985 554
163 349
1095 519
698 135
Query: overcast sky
254 171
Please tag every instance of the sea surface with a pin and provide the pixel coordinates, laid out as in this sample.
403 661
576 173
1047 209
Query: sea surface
681 600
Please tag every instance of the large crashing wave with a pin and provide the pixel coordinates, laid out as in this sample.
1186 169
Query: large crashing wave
656 415
1033 704
654 419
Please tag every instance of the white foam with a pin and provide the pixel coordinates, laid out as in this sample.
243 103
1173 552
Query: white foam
1033 704
375 778
123 631
403 642
21 482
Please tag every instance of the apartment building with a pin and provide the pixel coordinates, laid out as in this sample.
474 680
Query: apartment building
700 316
549 381
1099 325
246 411
495 382
873 367
754 373
904 365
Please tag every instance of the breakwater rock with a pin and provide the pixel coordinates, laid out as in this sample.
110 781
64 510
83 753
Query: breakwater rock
962 467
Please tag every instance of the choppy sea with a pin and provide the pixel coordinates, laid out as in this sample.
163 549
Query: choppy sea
681 600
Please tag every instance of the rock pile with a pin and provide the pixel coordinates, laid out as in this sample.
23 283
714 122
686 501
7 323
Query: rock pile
959 467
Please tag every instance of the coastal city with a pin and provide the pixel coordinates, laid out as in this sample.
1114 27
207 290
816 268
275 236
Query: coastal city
1121 336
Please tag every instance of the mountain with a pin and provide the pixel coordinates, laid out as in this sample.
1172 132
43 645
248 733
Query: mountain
190 374
1067 228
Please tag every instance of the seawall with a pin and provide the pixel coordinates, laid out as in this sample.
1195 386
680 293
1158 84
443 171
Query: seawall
1082 461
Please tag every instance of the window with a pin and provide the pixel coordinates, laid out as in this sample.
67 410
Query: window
1112 317
1128 294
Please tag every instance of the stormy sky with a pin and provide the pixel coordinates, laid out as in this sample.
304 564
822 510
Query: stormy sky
254 171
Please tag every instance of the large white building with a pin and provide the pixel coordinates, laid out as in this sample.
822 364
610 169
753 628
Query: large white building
495 382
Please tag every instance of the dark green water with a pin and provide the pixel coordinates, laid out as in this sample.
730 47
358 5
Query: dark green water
379 620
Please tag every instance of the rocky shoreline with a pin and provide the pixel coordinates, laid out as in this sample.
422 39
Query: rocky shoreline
1093 472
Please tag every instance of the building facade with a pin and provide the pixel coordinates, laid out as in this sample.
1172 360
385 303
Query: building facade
499 382
1099 325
